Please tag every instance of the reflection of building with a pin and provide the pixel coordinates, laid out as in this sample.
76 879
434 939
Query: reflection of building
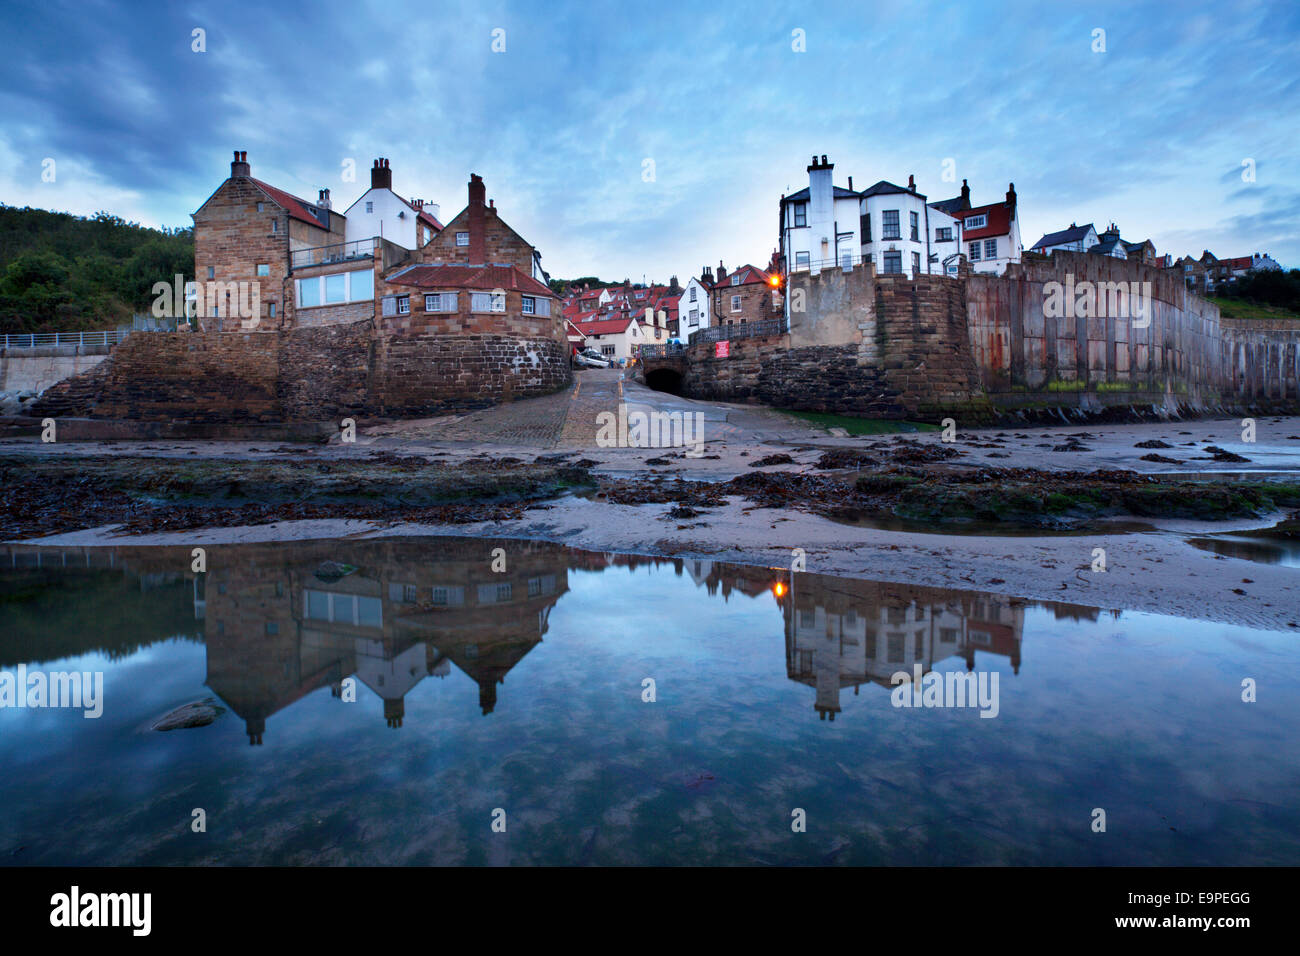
842 632
282 622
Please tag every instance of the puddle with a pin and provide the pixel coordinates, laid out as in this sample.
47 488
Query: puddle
1263 549
374 701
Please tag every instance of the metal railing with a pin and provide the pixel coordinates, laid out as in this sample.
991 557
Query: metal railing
338 252
662 351
740 330
34 340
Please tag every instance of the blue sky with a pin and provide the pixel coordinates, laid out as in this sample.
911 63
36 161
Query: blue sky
1151 133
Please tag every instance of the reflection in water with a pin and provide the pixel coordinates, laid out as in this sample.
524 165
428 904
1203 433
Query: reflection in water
281 622
458 710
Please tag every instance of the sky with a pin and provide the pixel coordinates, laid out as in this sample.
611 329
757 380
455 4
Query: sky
644 140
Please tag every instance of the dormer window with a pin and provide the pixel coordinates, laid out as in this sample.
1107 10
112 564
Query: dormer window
976 222
735 279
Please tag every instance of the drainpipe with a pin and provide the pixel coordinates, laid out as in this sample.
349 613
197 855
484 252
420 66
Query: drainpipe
927 238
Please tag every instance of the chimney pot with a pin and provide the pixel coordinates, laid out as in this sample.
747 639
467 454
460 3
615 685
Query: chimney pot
911 181
381 177
239 166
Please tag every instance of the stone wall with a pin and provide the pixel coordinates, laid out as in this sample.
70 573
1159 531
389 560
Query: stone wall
859 344
427 375
1262 361
306 375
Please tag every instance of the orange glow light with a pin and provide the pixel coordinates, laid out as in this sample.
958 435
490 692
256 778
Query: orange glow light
778 589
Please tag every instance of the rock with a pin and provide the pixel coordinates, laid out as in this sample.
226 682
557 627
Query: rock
197 714
330 571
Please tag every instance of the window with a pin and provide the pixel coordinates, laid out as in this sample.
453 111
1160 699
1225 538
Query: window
370 206
272 627
695 317
361 285
846 260
212 273
974 252
462 238
914 221
889 225
916 263
344 608
441 302
309 292
943 234
275 225
735 279
800 214
692 293
263 269
528 305
865 222
487 302
801 260
607 350
403 305
449 596
976 222
271 309
990 248
735 303
893 262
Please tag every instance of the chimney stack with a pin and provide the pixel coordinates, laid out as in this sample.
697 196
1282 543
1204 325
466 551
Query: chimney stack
722 271
240 167
911 183
477 215
381 177
850 184
324 200
965 195
1011 195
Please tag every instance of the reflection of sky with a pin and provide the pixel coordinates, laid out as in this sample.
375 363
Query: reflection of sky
1140 716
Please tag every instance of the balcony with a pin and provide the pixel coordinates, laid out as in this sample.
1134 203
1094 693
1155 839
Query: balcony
327 255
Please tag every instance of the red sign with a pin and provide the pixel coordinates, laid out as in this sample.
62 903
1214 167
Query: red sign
721 349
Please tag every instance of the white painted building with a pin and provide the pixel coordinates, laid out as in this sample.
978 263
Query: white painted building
381 212
819 224
896 229
1075 239
693 311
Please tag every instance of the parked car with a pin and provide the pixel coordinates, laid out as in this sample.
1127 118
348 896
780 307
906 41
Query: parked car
590 358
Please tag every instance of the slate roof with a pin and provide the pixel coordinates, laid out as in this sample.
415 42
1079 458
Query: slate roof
1073 234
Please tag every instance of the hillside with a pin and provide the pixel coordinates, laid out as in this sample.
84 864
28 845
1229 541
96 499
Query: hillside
65 273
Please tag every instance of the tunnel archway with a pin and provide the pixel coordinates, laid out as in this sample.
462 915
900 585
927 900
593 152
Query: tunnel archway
664 380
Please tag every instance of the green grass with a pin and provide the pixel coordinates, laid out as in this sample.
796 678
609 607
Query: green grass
1238 309
859 426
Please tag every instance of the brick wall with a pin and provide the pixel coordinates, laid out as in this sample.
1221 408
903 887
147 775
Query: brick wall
233 238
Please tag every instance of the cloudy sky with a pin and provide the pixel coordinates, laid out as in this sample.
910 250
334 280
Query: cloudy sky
628 139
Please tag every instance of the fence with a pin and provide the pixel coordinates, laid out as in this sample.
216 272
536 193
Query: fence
740 330
662 351
34 340
339 252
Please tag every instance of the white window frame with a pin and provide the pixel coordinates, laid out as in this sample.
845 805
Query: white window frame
447 302
403 305
462 239
735 303
528 305
973 251
990 248
976 222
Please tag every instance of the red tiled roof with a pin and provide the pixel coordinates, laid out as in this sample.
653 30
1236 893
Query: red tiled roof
607 326
297 208
571 329
749 275
997 224
428 220
1240 262
488 277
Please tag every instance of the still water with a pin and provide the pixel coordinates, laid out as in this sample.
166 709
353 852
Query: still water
382 700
